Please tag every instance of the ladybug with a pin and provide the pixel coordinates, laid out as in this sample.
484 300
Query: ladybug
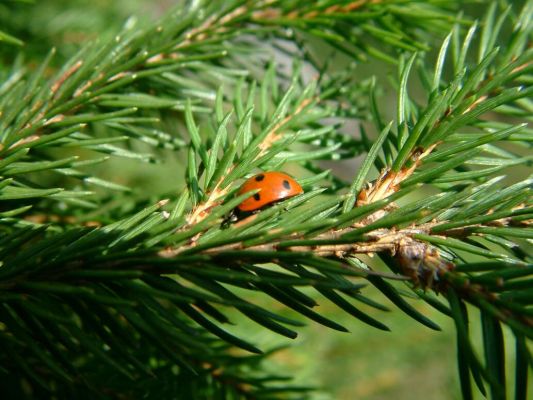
273 187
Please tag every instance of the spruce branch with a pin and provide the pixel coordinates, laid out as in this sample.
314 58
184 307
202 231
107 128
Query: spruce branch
144 291
425 264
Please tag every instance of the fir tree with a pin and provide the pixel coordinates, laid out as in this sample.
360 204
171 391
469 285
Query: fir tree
117 286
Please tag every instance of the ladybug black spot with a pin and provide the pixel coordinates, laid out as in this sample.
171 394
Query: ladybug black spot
257 197
286 184
259 177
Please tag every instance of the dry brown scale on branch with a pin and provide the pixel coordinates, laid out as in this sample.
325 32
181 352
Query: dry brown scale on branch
389 181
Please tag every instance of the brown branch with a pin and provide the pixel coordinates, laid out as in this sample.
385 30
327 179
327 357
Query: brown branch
274 12
68 73
419 261
482 297
274 135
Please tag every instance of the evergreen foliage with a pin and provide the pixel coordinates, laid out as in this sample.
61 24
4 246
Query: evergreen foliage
112 289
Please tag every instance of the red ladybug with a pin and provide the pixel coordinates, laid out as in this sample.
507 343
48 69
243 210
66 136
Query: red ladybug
273 187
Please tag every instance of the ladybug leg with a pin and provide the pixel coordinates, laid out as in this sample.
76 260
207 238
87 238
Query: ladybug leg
231 218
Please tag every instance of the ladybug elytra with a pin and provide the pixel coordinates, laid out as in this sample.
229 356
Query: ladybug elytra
273 187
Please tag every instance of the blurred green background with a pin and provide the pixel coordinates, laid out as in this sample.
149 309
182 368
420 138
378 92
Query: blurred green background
410 362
